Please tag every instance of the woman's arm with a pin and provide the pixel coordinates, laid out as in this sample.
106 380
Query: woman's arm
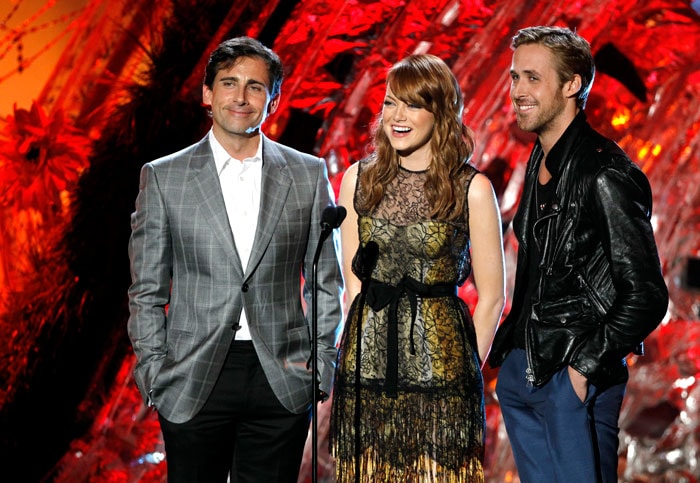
487 261
349 235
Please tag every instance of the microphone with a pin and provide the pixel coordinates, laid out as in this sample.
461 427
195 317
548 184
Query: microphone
367 259
364 262
332 217
342 212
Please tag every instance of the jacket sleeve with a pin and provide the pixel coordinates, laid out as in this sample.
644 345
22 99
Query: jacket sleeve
150 256
621 200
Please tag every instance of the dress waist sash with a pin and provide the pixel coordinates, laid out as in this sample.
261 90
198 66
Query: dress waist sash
381 295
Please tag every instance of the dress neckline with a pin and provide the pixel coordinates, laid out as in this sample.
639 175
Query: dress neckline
402 168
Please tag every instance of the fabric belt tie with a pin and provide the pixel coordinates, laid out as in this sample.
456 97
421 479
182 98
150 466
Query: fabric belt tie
381 295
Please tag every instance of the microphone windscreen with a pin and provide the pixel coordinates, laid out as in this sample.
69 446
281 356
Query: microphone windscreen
371 252
328 217
342 213
367 258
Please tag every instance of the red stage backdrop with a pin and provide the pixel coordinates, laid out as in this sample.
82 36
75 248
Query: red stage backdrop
128 89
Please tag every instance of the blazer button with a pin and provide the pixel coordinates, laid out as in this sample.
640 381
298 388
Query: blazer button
244 287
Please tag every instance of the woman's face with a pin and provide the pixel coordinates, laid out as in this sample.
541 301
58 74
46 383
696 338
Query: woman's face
409 127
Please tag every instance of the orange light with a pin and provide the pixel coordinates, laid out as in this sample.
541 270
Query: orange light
643 152
620 119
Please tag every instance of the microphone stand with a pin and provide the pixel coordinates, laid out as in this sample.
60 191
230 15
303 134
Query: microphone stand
314 362
331 218
368 259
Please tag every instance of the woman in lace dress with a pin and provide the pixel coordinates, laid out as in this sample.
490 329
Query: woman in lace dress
420 221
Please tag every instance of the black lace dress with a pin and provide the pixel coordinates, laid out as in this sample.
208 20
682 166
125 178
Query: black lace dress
416 411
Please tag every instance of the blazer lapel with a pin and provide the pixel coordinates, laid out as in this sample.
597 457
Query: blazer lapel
274 188
206 191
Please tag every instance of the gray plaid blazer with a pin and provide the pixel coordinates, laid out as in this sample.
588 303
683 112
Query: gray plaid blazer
189 287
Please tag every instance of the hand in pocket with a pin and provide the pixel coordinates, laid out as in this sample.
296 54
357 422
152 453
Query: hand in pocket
579 383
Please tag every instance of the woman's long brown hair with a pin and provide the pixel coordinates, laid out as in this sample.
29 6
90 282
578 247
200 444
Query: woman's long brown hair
426 81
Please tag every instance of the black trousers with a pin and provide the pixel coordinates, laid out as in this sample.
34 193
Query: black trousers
242 430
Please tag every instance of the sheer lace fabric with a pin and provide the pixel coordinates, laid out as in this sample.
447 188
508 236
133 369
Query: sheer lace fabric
433 429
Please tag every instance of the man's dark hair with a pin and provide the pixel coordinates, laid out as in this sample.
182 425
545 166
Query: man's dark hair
229 51
571 51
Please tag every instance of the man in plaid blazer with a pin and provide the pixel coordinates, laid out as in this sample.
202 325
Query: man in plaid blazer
222 234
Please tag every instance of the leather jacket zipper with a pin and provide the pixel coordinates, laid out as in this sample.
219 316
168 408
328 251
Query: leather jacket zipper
592 295
545 266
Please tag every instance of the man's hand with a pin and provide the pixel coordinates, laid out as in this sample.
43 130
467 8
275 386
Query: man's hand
579 383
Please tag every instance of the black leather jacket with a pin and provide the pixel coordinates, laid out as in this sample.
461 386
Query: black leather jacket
600 290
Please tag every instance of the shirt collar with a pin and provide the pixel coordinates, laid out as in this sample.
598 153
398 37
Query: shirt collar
221 157
555 157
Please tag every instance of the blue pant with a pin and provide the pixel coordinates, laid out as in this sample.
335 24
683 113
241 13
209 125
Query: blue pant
554 436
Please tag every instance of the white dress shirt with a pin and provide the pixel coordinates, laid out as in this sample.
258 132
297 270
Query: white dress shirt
240 183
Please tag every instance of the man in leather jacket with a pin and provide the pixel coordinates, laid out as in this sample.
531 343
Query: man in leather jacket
588 285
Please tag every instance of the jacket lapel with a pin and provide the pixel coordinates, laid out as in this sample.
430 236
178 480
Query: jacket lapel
275 185
206 191
524 211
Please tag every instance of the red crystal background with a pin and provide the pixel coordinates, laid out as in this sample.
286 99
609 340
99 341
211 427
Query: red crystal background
126 89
